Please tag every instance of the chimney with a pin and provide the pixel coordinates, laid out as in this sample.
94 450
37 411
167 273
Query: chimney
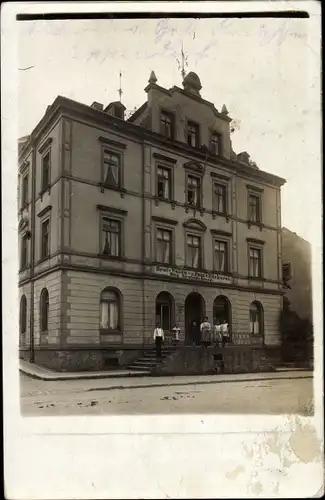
97 105
243 157
116 109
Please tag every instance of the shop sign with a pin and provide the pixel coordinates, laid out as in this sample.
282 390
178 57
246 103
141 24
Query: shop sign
208 277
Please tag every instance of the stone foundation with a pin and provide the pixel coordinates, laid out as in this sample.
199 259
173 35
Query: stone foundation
74 360
230 359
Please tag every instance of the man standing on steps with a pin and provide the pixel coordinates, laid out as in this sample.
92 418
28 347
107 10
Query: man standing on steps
158 336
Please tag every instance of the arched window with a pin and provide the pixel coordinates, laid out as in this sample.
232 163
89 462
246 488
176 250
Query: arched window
23 316
44 310
222 310
256 318
165 311
110 309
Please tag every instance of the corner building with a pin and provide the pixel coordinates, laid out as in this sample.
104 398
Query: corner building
126 221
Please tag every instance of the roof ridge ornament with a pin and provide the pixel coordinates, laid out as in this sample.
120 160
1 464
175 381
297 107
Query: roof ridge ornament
224 110
152 78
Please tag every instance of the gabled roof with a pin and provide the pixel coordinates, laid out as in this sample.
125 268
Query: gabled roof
138 112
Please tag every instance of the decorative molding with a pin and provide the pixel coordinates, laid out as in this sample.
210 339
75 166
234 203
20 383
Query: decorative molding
222 177
255 240
110 142
23 224
164 158
163 220
45 145
44 211
195 224
218 232
112 210
194 166
254 188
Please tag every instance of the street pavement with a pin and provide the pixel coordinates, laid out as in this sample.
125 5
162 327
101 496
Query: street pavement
237 394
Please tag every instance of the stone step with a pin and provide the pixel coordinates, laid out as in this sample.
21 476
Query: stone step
140 369
143 364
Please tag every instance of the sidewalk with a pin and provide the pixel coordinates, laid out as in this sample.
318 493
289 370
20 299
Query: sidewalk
125 379
43 373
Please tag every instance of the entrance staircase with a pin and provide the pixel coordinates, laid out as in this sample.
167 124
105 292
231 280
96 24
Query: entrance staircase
148 361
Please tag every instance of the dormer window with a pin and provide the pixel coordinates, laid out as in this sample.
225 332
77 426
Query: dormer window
167 124
215 144
193 135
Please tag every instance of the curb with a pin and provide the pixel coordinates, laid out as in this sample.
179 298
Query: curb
48 378
201 382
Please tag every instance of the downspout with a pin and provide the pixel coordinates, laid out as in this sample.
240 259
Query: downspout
32 252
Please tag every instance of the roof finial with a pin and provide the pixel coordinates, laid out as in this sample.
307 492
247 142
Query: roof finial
152 78
182 64
224 110
120 91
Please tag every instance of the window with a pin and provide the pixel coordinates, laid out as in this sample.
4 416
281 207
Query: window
193 134
111 237
164 246
193 254
164 183
112 169
286 271
24 191
255 263
254 208
23 316
221 256
24 252
215 143
46 170
110 310
256 318
167 124
164 311
45 239
44 310
193 190
220 197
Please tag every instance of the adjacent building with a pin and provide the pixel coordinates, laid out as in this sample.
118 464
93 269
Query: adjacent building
123 223
296 256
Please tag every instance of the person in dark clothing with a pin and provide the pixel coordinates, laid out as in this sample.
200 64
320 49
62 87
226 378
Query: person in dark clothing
158 336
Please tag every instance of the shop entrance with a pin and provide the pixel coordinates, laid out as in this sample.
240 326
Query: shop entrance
194 314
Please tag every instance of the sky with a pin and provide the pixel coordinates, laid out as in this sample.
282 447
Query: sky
264 70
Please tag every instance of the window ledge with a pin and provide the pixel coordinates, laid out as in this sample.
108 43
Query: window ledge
260 225
253 278
44 190
111 257
197 208
156 263
215 214
109 331
40 261
158 199
24 268
119 189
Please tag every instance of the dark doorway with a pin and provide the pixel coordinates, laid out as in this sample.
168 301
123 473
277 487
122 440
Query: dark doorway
222 311
165 311
194 314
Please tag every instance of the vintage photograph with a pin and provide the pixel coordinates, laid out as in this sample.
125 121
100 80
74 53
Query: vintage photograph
163 216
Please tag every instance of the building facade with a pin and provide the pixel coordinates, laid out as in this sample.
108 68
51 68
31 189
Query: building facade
296 257
126 222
